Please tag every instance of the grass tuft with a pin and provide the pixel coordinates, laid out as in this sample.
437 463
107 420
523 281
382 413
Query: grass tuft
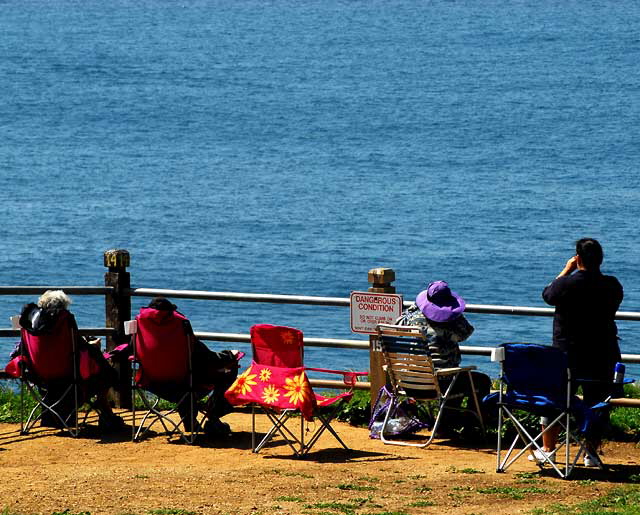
357 488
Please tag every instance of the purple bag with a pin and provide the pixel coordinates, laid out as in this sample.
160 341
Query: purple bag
402 421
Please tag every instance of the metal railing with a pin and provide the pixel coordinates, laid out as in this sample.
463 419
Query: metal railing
283 299
345 302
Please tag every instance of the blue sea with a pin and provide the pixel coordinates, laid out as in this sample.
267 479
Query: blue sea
280 146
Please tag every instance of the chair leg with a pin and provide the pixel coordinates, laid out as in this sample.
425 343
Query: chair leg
325 425
476 403
279 426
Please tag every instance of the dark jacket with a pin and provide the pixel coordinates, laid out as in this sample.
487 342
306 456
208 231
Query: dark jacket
584 322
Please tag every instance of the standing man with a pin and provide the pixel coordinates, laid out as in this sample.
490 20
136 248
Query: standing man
584 325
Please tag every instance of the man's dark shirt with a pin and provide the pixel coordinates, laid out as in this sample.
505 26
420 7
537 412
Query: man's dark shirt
584 323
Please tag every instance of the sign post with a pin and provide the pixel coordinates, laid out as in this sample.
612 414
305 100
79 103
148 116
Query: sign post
380 280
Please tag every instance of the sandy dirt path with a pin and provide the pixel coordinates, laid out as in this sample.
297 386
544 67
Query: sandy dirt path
46 472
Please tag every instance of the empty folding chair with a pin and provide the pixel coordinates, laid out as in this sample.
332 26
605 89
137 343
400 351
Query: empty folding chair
535 379
412 375
276 384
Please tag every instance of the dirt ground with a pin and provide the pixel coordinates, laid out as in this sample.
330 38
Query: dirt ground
46 472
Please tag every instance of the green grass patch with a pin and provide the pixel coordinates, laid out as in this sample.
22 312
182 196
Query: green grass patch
621 501
423 489
467 470
10 402
348 508
462 488
528 478
292 474
289 498
513 492
357 411
356 488
421 504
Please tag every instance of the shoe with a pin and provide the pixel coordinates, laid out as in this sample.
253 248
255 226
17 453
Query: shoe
590 462
217 427
542 456
111 423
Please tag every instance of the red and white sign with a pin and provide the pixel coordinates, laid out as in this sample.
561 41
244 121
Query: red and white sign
370 309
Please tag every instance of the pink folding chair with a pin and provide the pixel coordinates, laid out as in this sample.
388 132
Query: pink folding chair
50 372
277 384
162 344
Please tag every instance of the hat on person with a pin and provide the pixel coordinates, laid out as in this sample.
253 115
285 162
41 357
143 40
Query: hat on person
439 303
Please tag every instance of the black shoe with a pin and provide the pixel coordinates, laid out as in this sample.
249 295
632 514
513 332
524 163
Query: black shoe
217 427
111 423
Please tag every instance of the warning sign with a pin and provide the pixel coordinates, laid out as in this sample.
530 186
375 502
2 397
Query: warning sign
370 309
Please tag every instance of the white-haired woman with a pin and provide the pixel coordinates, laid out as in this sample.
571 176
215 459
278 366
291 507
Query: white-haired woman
41 318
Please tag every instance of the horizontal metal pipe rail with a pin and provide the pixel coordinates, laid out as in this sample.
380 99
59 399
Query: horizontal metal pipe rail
72 290
83 331
240 297
340 301
282 299
345 302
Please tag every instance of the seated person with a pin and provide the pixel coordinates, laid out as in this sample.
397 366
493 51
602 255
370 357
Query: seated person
439 311
219 369
41 318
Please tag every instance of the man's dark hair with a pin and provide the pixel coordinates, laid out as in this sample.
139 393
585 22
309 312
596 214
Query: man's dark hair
162 304
590 251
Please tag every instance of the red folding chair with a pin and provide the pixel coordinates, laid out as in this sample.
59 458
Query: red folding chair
162 344
277 384
50 372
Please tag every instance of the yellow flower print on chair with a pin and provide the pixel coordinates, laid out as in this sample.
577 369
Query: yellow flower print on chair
271 394
244 382
298 389
265 375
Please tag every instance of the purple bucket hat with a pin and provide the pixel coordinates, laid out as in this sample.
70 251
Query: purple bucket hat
439 303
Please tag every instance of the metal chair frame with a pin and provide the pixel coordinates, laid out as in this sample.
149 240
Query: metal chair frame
43 405
409 367
563 419
170 426
279 418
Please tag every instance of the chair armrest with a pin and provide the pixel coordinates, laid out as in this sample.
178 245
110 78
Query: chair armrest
581 380
15 322
454 370
348 377
497 354
131 327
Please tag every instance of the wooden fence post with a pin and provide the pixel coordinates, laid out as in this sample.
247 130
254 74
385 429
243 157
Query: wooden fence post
118 311
380 280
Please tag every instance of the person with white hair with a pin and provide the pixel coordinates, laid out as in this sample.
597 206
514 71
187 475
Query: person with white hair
41 318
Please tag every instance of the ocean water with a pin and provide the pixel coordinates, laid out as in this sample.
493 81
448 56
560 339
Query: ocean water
288 147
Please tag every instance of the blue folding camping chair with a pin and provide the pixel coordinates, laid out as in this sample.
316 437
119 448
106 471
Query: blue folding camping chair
535 379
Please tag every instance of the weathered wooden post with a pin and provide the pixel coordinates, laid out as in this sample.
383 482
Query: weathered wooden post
380 280
118 311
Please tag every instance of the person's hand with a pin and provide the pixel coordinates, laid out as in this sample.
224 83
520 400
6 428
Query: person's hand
571 265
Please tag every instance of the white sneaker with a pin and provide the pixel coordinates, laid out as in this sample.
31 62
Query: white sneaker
542 456
590 462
